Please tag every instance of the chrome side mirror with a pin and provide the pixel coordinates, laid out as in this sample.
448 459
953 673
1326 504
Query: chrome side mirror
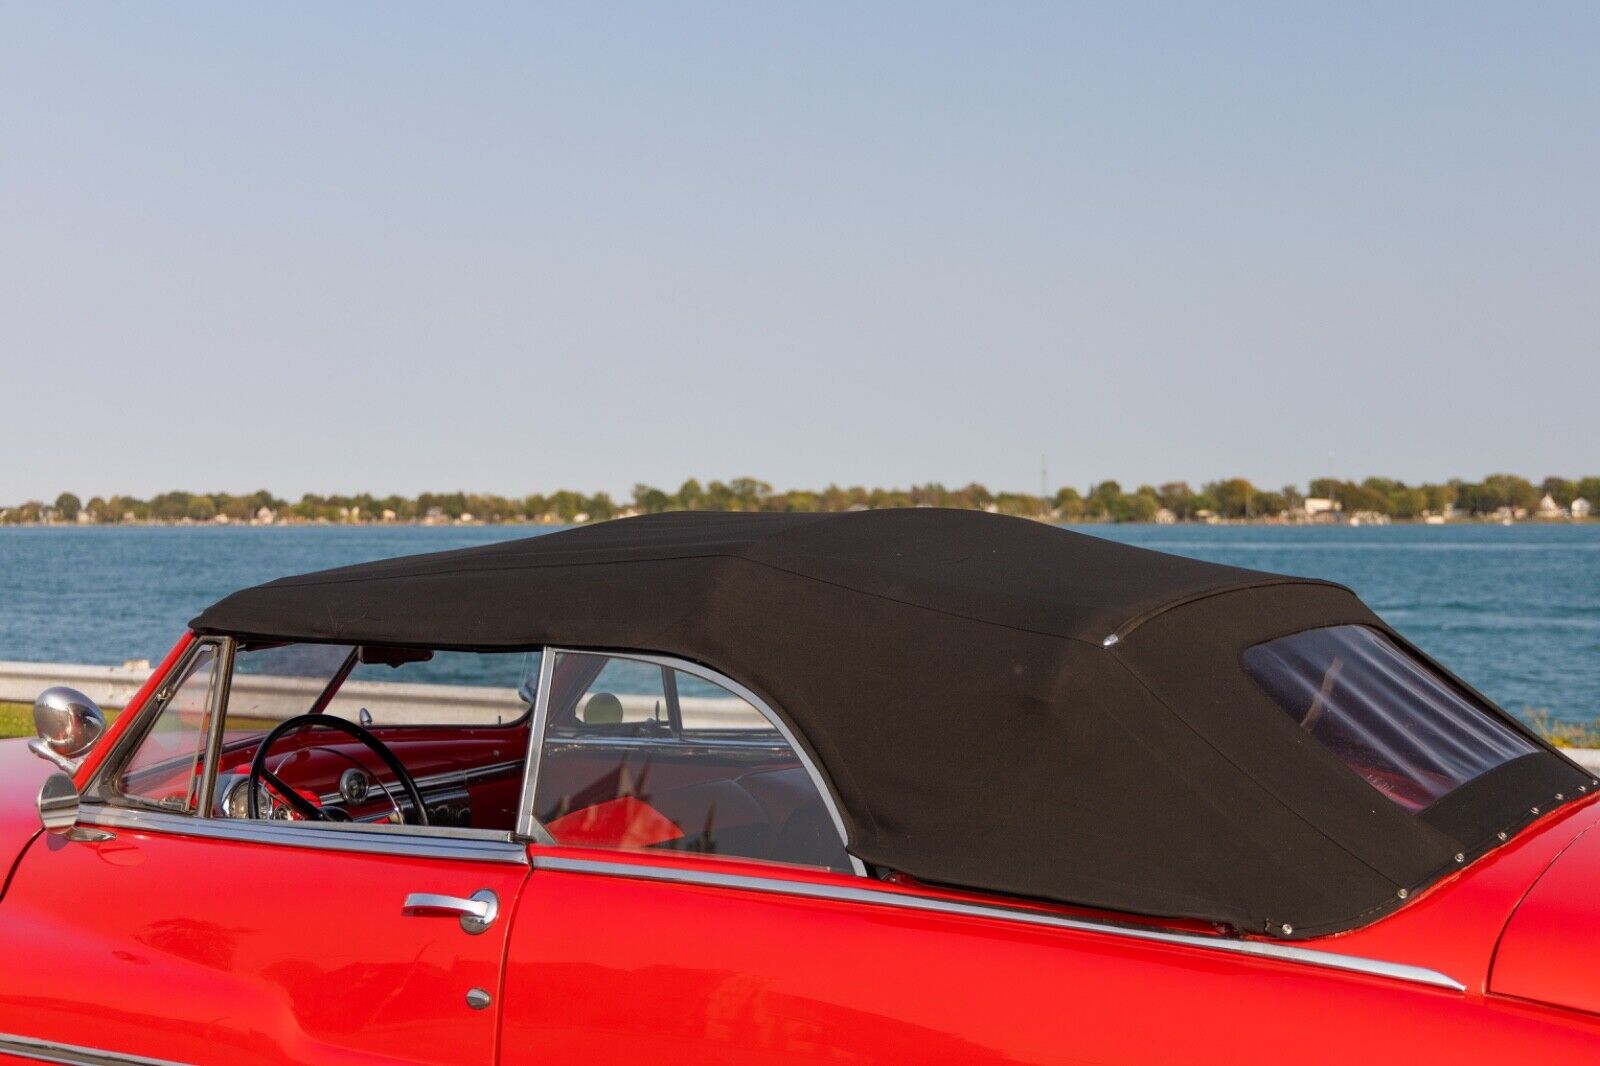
68 724
58 804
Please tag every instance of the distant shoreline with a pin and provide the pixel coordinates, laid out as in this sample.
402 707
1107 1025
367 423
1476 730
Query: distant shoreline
1503 498
476 523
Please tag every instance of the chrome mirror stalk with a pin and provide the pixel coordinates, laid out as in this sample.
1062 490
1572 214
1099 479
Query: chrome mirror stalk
41 749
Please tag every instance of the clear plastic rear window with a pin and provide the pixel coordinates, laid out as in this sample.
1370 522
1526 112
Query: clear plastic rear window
1388 717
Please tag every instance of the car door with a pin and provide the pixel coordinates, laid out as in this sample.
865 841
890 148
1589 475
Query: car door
153 932
663 792
163 943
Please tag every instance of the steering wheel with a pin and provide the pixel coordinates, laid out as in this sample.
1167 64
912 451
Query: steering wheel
304 807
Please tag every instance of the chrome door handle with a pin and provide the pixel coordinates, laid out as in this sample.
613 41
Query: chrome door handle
477 912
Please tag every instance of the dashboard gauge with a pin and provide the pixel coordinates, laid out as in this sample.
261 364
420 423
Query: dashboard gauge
235 799
355 786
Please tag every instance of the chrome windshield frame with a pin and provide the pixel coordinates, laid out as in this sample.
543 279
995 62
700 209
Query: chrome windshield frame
100 787
528 826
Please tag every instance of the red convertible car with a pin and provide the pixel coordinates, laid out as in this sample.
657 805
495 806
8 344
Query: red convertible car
906 786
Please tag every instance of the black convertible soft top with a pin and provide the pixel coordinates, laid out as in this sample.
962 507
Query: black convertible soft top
998 704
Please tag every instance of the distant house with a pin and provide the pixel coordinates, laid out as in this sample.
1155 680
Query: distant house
1319 505
265 516
1581 508
1549 508
1165 517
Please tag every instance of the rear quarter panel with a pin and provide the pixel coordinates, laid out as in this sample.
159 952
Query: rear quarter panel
609 969
1548 951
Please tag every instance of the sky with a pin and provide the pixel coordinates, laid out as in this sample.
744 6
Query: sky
509 248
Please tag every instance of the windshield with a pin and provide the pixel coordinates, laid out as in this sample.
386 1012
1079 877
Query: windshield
379 685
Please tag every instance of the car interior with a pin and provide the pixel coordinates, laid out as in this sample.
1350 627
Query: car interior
637 754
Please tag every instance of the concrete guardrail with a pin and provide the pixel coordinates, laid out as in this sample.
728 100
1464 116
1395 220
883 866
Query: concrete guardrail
391 703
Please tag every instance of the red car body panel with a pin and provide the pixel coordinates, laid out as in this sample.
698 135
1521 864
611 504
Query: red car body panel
1456 925
1548 950
196 949
612 969
21 774
201 950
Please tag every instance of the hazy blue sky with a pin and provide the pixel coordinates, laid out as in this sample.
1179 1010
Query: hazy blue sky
506 248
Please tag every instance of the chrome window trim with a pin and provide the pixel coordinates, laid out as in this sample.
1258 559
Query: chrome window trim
424 842
777 885
217 725
100 788
73 1054
528 825
542 713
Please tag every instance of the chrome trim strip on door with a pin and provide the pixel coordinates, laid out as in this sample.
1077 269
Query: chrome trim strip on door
410 841
1265 949
73 1054
820 783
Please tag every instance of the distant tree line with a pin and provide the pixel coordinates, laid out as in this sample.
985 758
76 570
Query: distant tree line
1234 498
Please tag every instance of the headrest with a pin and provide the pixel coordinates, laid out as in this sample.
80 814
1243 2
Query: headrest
602 708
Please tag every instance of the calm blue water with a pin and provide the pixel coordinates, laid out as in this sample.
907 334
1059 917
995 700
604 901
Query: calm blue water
1514 610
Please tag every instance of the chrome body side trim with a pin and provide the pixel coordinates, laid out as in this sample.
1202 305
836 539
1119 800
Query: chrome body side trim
1264 949
820 783
73 1054
416 842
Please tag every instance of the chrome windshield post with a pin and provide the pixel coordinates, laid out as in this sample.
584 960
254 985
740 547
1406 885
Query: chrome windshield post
528 824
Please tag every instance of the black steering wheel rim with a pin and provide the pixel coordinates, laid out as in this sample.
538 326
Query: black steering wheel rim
259 771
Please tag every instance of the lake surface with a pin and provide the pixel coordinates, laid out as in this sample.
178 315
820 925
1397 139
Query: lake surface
1514 610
